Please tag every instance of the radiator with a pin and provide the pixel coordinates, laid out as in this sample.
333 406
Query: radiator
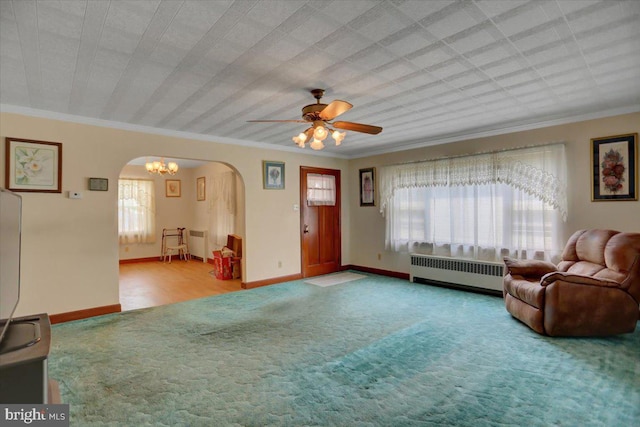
198 243
481 275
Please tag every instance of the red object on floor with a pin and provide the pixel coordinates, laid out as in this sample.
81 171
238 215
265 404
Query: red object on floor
222 266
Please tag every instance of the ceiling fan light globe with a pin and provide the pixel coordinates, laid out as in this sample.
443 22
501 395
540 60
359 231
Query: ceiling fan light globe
316 144
320 133
300 139
338 136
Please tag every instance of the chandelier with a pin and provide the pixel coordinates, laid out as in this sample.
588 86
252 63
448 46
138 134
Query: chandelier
319 133
160 168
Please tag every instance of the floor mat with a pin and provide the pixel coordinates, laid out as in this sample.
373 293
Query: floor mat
334 279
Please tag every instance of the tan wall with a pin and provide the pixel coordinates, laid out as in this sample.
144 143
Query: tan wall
70 247
367 231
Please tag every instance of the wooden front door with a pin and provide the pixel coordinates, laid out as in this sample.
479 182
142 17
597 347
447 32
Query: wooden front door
319 228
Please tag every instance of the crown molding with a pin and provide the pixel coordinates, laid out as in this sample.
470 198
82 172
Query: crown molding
45 114
408 145
494 131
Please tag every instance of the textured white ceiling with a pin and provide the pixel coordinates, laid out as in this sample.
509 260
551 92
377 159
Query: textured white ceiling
426 71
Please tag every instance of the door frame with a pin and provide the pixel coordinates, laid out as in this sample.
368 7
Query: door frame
338 206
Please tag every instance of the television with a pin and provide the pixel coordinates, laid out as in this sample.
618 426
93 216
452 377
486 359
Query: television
13 335
10 233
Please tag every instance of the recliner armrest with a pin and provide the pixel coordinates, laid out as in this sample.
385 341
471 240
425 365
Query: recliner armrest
528 267
578 279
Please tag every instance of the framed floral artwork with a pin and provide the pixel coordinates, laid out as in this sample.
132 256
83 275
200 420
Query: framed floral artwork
172 187
33 166
614 170
273 175
367 186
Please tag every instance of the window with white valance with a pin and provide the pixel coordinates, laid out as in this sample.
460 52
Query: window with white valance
484 206
136 211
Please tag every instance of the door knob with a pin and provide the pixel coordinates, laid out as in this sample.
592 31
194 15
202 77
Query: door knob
306 229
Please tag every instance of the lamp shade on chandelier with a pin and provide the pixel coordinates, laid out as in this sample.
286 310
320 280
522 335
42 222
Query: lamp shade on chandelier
160 168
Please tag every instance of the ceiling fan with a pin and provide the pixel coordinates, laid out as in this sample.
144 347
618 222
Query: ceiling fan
320 116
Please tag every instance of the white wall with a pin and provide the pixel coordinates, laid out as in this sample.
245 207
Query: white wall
70 247
367 230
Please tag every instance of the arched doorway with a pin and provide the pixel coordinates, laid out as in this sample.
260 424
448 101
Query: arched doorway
201 196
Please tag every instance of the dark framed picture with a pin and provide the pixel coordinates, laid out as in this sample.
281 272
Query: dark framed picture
33 166
367 186
200 189
172 187
98 184
273 175
614 168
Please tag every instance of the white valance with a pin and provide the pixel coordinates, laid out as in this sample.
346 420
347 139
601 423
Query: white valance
321 190
539 171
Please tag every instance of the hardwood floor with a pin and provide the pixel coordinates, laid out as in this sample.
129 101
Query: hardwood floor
149 284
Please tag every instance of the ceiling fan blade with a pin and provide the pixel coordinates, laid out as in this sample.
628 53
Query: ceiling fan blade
358 127
277 121
334 109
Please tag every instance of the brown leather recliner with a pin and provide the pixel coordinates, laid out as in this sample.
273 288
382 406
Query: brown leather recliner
593 291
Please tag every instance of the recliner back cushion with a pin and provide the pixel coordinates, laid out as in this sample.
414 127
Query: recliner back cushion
621 251
605 254
590 245
569 252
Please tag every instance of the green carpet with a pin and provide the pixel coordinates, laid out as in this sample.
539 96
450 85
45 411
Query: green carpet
371 352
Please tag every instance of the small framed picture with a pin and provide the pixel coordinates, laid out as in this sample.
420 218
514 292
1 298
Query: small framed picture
614 170
98 184
273 175
200 189
172 187
367 186
33 166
